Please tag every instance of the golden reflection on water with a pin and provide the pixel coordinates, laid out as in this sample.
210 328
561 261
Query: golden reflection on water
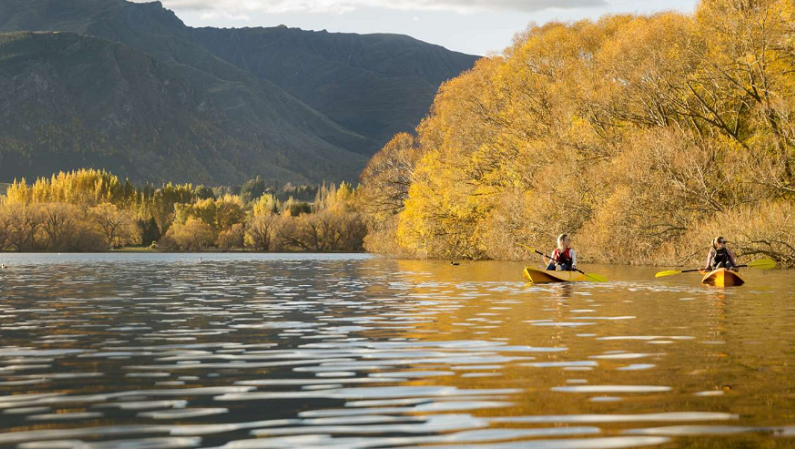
737 357
457 349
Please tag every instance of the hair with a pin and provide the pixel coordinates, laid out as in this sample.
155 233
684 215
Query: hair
561 238
715 242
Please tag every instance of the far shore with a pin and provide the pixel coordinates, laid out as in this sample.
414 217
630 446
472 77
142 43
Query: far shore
461 263
146 249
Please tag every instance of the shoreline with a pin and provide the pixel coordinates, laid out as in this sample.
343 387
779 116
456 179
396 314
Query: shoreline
133 251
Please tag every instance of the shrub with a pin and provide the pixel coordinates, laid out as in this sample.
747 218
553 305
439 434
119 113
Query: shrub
194 235
232 238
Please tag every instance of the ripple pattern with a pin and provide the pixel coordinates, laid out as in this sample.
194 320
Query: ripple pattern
242 352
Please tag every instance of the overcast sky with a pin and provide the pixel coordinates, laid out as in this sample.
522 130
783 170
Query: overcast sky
470 26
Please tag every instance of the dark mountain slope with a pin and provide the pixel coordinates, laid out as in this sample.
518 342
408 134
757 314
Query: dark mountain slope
69 101
309 106
376 85
157 31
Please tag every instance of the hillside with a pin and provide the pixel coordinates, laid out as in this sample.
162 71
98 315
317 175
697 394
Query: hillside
254 121
70 101
376 85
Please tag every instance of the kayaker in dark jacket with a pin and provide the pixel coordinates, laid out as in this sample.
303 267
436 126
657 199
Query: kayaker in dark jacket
563 258
720 256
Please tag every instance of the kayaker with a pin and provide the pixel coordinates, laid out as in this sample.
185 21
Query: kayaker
563 258
720 256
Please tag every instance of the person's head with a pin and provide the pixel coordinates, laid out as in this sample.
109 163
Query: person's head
563 241
718 242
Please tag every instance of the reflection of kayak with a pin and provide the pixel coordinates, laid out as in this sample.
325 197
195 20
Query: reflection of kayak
722 278
537 276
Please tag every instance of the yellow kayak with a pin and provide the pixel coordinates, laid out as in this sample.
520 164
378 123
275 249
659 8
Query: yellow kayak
537 276
722 278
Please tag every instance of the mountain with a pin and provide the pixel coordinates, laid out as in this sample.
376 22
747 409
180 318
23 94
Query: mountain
206 105
70 101
376 85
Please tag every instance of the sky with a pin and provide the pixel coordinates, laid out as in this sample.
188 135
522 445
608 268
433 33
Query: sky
477 27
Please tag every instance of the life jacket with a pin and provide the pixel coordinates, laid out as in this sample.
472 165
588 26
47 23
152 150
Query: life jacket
563 257
721 258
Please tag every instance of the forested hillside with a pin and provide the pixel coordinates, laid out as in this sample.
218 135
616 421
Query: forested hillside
375 85
230 120
642 136
71 101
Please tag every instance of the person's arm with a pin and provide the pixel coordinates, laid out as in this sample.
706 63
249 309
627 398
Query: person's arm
710 256
573 255
549 260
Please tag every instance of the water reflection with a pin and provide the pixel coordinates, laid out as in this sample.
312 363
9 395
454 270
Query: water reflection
271 351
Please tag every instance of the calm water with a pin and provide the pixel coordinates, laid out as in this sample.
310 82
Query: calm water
303 351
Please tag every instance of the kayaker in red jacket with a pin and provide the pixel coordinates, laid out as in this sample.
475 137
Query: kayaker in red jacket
563 258
720 256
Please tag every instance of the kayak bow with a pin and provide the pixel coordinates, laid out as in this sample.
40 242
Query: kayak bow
537 276
722 278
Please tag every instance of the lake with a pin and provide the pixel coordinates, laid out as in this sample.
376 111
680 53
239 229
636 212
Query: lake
245 351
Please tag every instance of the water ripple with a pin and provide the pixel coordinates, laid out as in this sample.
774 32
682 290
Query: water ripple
244 351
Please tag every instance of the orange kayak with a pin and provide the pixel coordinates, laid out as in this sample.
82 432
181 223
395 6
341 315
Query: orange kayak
537 276
722 278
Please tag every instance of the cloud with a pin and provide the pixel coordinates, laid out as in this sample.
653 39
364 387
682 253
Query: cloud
239 8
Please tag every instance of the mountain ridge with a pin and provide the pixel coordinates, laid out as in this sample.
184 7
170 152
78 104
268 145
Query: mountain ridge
321 127
122 121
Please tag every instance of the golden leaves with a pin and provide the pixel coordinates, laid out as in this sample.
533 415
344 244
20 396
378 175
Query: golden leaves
629 128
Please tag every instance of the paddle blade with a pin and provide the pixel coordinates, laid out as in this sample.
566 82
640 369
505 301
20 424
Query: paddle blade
596 277
667 273
529 248
763 264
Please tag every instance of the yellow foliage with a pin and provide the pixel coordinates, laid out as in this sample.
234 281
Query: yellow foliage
629 133
193 235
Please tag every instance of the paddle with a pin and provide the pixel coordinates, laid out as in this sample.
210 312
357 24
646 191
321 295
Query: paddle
591 276
761 264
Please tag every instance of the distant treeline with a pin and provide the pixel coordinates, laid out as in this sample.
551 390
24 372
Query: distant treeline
642 136
91 210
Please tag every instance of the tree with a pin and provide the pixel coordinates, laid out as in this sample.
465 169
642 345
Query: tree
116 225
23 224
232 238
149 231
253 189
221 214
204 193
266 205
295 209
260 229
387 177
193 235
58 224
628 133
5 228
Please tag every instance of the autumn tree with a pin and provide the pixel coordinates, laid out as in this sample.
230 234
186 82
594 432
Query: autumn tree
193 235
232 238
260 230
117 226
630 133
23 223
